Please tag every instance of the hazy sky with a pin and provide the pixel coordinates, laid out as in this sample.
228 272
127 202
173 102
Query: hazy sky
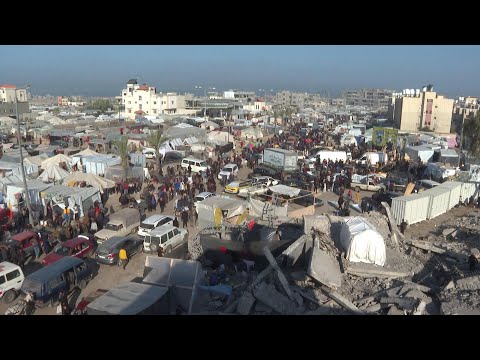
104 70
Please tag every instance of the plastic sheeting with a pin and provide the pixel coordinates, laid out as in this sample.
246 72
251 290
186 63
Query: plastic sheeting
117 173
84 197
206 209
97 165
90 179
15 169
256 208
35 187
362 242
35 160
285 190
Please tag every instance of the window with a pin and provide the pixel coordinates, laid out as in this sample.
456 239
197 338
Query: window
154 103
172 102
2 280
164 239
81 267
140 98
175 231
129 103
170 235
54 283
140 106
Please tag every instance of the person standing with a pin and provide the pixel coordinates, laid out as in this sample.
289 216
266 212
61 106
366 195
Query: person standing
403 226
160 251
358 197
63 298
184 218
122 258
175 222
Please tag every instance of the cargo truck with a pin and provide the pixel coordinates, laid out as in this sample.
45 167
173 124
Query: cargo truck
280 159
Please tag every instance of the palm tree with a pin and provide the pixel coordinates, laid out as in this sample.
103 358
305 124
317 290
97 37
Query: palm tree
122 147
470 131
289 112
276 111
156 139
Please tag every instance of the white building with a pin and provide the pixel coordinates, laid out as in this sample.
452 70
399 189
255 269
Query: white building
7 94
144 100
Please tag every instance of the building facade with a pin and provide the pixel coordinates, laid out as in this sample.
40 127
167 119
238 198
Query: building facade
368 97
287 99
423 110
464 108
7 101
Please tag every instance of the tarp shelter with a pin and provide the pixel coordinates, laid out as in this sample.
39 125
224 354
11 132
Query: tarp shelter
362 242
56 160
15 169
84 197
98 164
219 137
35 160
8 180
35 187
185 131
53 173
252 133
138 159
285 190
257 208
131 299
209 125
424 153
86 152
181 277
230 208
90 179
117 173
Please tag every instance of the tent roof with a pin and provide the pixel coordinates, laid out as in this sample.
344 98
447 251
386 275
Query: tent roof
37 160
222 203
90 179
86 152
62 191
57 159
53 172
285 190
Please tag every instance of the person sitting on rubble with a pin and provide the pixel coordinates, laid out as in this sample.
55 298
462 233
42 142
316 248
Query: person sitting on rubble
403 226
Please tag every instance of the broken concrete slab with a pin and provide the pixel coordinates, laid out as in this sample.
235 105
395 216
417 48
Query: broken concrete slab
280 275
395 311
261 307
323 268
468 283
448 231
425 245
298 275
374 308
267 294
376 273
316 298
342 301
420 308
414 293
404 303
245 303
291 254
391 221
317 222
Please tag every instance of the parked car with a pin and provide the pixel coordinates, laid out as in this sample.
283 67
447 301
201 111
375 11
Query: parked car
235 186
66 274
299 184
202 196
171 157
395 184
305 198
121 223
107 252
153 222
11 280
264 171
80 247
267 180
228 170
24 240
167 236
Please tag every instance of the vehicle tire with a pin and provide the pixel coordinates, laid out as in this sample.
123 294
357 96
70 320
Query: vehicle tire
9 296
357 188
185 239
83 284
154 247
140 248
168 249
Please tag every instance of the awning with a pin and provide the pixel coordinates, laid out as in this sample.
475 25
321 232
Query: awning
285 190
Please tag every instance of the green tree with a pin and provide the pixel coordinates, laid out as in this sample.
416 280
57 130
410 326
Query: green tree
122 148
156 139
471 131
100 104
289 111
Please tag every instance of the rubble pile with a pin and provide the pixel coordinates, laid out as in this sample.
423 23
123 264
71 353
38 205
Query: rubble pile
422 275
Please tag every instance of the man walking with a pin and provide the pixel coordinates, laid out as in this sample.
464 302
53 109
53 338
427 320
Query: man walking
184 218
122 258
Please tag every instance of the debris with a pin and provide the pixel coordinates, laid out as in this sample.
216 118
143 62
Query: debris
313 299
363 272
391 221
420 308
323 269
261 307
245 303
290 256
448 231
424 245
395 311
374 308
468 283
280 275
342 301
267 294
405 303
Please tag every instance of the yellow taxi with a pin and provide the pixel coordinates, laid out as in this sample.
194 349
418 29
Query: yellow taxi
235 186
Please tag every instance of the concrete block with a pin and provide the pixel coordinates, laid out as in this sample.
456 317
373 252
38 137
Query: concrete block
395 311
245 303
324 269
468 283
267 294
448 231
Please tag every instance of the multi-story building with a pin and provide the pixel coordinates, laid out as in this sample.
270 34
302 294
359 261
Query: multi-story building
287 98
415 110
7 101
464 107
368 97
144 100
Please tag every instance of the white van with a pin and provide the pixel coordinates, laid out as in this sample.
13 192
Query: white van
11 280
196 164
166 236
149 153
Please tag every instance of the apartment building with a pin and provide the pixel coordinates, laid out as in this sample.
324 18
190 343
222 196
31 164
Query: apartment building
287 98
7 101
368 97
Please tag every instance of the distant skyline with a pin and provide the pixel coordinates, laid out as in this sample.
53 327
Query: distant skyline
96 70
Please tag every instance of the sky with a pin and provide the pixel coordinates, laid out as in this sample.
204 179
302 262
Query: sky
98 70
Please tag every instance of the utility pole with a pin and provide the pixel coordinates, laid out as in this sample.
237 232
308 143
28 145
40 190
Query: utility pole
22 167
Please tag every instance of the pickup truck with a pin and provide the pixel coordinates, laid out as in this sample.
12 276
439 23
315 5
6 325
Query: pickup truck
121 223
370 186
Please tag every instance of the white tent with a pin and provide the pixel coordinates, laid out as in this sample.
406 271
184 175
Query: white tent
86 152
285 190
53 173
90 179
36 160
362 242
57 159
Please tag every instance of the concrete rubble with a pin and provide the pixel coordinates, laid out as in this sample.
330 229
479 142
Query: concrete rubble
426 274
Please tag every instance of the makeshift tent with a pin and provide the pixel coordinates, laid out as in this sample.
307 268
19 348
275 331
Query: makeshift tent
36 160
209 125
252 133
285 190
86 152
229 207
8 180
53 173
219 137
84 197
97 165
184 131
90 179
257 208
35 187
117 173
56 160
362 242
131 299
15 169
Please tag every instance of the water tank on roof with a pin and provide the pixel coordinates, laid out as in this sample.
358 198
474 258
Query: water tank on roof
424 89
417 92
430 87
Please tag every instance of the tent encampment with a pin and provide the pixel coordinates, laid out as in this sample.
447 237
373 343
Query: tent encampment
56 160
90 179
53 173
362 242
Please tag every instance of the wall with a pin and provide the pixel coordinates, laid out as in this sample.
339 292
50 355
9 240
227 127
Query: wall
408 112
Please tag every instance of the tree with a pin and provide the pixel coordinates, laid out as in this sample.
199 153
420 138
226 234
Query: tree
100 104
471 131
122 147
156 139
289 112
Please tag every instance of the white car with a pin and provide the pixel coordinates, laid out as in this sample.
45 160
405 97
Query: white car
259 188
202 196
227 170
269 181
166 236
11 280
153 222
